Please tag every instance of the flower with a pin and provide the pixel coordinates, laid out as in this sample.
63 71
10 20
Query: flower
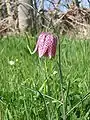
55 72
11 62
16 60
46 45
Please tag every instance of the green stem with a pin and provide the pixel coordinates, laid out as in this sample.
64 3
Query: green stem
47 96
67 92
61 83
46 107
46 75
87 95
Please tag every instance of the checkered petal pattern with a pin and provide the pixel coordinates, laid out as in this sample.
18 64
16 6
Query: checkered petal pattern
46 45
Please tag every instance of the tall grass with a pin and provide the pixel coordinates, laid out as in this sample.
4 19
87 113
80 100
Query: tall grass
30 87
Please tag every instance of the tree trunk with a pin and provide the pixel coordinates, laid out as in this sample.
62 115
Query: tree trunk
41 12
89 3
35 15
24 14
3 9
77 3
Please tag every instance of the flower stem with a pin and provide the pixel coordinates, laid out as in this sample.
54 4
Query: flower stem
84 98
61 83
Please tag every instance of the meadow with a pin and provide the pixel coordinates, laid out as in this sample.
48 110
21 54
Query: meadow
30 87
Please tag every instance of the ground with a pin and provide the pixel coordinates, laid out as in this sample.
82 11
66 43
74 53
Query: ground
30 87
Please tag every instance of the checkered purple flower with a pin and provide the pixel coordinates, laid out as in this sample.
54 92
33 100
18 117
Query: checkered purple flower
46 45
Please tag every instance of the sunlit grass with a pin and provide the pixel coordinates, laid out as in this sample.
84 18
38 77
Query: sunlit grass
30 87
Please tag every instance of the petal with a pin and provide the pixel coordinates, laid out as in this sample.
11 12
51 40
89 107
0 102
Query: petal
52 42
41 42
44 49
46 45
41 37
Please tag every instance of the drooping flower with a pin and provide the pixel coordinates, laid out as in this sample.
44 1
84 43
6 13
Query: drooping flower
46 45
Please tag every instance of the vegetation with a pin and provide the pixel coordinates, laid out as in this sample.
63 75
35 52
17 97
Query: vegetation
30 87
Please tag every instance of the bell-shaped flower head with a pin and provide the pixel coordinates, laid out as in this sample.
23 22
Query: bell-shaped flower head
46 45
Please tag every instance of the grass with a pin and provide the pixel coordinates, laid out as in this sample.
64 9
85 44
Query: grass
30 87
